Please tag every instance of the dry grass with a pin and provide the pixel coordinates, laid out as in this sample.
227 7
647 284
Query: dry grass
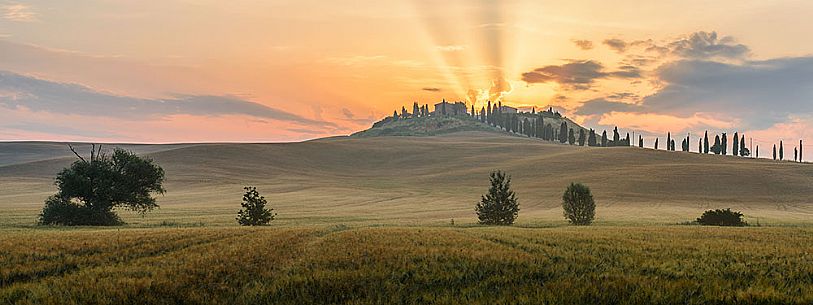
396 265
430 180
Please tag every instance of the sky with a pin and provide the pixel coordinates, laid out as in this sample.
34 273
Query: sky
291 70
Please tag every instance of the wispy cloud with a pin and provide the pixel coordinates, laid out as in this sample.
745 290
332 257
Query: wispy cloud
18 12
583 44
38 95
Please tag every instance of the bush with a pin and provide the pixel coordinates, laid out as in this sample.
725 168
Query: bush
499 206
578 205
721 217
91 188
254 212
60 211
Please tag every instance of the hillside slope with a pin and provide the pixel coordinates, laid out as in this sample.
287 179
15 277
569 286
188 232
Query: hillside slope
432 179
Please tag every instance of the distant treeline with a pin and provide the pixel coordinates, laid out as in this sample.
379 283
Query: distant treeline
533 124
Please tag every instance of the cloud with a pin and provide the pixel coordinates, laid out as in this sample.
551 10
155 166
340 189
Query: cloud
37 95
431 89
578 75
616 44
703 45
351 117
18 12
602 106
761 92
583 44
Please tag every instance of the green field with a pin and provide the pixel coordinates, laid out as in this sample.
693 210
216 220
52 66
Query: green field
368 220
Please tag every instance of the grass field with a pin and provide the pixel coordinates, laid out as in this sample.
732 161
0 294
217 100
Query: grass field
397 265
428 181
369 221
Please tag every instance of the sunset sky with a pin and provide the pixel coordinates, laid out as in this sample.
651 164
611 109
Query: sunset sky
288 70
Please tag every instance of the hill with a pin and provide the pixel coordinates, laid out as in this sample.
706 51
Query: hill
432 179
438 125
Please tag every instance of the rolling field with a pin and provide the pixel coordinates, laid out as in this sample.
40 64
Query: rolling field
408 265
428 181
390 220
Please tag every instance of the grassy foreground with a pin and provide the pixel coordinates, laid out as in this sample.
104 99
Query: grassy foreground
398 265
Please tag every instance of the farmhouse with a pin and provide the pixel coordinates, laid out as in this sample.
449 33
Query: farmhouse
508 109
446 108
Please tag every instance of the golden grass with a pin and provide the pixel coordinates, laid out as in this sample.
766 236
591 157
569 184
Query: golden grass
439 265
431 180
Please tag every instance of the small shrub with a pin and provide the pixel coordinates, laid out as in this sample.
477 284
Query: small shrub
719 217
499 206
578 205
254 212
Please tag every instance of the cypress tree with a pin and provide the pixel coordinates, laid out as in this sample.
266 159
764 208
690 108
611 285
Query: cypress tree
591 138
563 132
581 137
571 137
640 141
706 142
627 141
699 146
616 137
800 150
781 151
724 143
395 115
673 144
604 138
656 143
735 150
774 152
795 154
742 147
668 141
483 114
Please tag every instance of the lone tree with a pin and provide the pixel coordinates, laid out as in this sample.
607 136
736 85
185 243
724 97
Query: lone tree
579 207
499 206
90 188
254 212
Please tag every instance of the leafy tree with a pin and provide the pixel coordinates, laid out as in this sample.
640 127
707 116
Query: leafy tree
720 217
254 212
499 206
578 205
716 149
90 189
582 137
